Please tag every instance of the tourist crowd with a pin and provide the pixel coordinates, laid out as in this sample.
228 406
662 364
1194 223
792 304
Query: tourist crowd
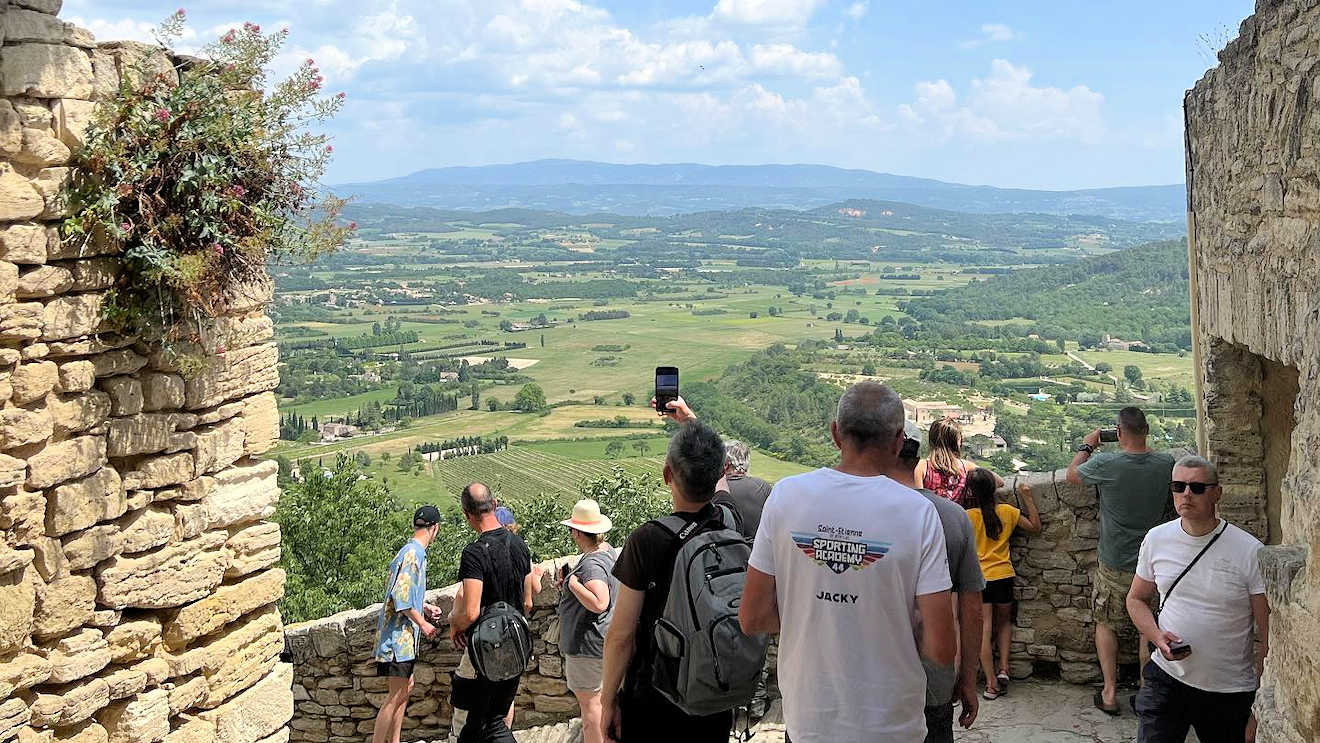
888 578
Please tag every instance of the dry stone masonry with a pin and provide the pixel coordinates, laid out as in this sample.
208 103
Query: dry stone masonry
137 568
1253 178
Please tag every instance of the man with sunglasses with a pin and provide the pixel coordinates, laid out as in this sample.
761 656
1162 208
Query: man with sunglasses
1208 578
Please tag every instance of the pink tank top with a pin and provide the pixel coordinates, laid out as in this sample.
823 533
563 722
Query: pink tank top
953 487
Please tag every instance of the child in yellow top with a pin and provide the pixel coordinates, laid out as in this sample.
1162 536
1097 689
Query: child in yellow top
994 524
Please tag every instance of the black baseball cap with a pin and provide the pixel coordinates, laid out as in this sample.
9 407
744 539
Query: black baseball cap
427 515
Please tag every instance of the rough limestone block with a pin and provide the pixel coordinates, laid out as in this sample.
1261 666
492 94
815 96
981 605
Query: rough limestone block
133 640
232 375
94 274
86 548
171 576
192 729
46 71
72 117
218 446
43 281
243 494
245 664
63 604
157 670
71 316
252 548
12 560
50 183
88 731
33 352
62 706
29 25
9 286
258 712
191 519
161 471
162 392
146 529
227 604
125 395
17 605
23 243
30 735
125 682
135 60
119 361
211 656
143 719
19 427
222 413
40 147
75 413
23 321
261 424
186 694
76 656
76 376
14 715
11 128
144 433
33 381
77 505
22 671
66 460
19 199
22 512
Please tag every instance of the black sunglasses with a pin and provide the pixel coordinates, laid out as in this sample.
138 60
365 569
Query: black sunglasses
1197 488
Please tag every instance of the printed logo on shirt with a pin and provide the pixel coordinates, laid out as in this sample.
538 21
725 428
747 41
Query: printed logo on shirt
840 555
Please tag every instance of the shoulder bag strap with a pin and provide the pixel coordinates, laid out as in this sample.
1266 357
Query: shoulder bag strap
1185 570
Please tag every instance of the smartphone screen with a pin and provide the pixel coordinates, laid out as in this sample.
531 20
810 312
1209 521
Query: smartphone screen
666 387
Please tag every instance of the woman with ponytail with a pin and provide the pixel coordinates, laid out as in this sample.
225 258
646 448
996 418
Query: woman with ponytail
994 523
944 471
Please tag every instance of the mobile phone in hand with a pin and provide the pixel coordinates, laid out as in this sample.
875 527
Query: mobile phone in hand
1108 435
666 388
1180 649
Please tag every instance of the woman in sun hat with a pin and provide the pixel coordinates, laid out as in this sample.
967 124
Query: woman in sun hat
585 608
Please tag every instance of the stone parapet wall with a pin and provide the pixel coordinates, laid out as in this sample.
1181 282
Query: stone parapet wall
1253 178
137 578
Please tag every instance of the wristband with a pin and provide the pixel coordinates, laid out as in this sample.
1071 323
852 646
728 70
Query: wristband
1085 447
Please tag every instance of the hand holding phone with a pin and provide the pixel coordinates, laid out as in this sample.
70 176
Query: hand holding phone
1179 650
1108 435
666 388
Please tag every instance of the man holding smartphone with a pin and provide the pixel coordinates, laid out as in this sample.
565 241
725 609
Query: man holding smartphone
1207 573
1133 488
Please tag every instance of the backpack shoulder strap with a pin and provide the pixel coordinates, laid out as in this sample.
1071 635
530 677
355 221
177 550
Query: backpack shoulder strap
728 516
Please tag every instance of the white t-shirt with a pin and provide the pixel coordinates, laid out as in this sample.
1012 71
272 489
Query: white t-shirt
850 555
1211 608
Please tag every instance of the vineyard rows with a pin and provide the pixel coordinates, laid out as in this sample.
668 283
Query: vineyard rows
515 473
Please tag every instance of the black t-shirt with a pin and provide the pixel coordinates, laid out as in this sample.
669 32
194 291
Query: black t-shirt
647 564
501 561
746 496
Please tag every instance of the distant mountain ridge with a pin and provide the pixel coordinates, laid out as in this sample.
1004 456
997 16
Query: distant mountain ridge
584 187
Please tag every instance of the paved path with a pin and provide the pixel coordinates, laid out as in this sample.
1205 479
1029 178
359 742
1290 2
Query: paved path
1033 712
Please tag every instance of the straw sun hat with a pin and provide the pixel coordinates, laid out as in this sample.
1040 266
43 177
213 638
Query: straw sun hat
588 518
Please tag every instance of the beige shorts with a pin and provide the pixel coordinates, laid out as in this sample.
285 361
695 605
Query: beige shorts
582 673
1109 590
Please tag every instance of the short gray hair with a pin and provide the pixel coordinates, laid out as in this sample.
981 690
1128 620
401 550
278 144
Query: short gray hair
737 455
1197 462
696 460
869 414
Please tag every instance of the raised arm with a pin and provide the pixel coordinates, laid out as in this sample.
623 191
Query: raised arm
1074 475
1031 523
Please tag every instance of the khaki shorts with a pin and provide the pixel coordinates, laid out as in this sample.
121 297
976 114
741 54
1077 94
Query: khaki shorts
1109 590
582 673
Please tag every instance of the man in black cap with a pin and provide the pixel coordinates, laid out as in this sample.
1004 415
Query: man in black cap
403 618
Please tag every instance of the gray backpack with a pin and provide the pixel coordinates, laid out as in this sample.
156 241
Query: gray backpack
703 663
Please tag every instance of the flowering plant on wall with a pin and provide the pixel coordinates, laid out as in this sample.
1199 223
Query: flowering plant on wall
201 177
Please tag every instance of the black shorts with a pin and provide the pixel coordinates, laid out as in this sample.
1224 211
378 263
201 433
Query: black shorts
998 592
401 670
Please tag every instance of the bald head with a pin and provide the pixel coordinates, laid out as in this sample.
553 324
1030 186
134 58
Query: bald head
477 500
870 414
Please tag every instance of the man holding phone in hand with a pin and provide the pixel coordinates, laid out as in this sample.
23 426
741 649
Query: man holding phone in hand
1208 577
1133 487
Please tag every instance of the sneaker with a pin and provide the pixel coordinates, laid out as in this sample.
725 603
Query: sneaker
991 693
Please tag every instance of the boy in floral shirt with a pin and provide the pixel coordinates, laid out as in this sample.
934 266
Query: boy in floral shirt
403 617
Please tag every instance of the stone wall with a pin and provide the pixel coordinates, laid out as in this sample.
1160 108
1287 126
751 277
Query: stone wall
1253 177
137 587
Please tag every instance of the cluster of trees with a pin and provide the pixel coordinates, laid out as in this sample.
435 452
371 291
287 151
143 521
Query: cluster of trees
605 315
295 427
616 448
416 400
530 399
465 445
396 338
618 421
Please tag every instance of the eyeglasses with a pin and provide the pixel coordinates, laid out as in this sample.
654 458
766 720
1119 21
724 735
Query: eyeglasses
1197 488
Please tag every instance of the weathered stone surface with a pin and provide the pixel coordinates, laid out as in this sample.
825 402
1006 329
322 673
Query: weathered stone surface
124 682
232 375
246 663
34 352
261 424
125 395
33 381
50 183
78 505
227 604
43 281
76 656
192 730
243 494
22 512
88 731
86 548
17 604
146 529
46 71
162 392
211 655
252 548
134 640
144 433
19 199
161 471
23 243
29 25
121 361
22 671
14 714
75 413
19 427
76 376
186 694
143 719
171 576
221 413
40 147
66 460
256 713
93 274
11 128
71 316
218 446
72 117
67 705
20 322
63 604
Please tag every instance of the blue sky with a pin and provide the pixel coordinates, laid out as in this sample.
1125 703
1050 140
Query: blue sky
1053 95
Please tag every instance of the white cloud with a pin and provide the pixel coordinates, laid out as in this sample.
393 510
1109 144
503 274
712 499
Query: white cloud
126 29
991 33
1005 106
767 12
786 59
857 10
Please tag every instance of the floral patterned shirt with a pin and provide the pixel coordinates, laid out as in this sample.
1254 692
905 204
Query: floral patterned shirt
397 636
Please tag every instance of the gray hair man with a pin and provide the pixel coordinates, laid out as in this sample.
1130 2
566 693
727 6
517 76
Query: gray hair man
1207 576
844 559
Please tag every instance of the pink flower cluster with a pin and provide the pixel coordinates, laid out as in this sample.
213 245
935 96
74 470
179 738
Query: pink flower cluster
229 37
341 95
251 27
237 191
126 227
352 226
162 115
218 248
180 13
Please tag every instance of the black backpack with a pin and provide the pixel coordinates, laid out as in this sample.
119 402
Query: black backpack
500 643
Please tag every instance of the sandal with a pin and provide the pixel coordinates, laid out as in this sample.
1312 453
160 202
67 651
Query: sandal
1002 679
1099 701
990 693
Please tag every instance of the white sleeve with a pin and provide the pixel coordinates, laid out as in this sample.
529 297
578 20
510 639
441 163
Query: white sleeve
763 549
933 572
1255 581
1144 569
